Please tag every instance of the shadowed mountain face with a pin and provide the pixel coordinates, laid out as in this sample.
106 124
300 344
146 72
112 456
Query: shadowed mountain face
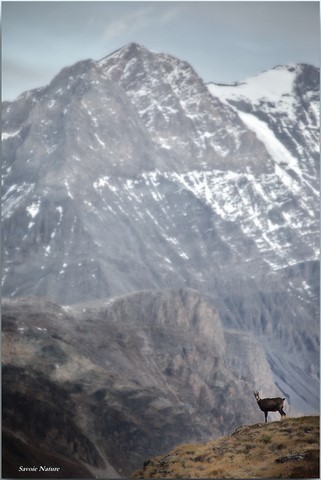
130 173
21 460
109 384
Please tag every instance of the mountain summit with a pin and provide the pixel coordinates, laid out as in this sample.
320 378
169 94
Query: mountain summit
129 173
188 126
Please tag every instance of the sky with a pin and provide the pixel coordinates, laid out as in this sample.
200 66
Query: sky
225 41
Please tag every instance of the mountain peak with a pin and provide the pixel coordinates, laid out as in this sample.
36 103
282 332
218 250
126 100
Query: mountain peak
126 52
134 47
296 67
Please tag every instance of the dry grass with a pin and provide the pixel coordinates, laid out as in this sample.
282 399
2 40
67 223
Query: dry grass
285 449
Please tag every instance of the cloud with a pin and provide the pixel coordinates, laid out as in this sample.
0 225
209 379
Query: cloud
292 20
129 23
140 19
12 70
12 73
170 14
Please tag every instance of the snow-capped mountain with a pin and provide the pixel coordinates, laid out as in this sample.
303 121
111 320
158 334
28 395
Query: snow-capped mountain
130 173
191 128
282 107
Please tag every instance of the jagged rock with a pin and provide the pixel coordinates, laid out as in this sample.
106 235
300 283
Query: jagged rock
290 458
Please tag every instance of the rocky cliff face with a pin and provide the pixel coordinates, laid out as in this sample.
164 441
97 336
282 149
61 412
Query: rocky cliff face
109 384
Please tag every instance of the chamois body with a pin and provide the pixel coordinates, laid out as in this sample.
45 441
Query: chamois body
270 405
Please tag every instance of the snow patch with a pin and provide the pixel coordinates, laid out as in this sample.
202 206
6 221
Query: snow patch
68 190
33 209
100 141
273 85
14 197
6 135
104 182
276 149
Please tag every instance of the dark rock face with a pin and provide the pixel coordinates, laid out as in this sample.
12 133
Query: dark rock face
36 462
110 384
50 422
130 174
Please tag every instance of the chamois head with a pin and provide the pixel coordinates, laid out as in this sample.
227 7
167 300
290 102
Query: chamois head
256 395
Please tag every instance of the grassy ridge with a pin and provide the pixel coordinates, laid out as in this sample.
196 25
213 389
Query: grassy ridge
284 449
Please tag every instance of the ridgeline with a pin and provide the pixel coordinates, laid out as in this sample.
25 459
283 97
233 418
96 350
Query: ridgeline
281 449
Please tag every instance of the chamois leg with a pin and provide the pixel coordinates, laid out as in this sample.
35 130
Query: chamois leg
282 412
265 415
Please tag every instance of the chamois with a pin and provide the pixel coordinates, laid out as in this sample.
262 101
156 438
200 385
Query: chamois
270 405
